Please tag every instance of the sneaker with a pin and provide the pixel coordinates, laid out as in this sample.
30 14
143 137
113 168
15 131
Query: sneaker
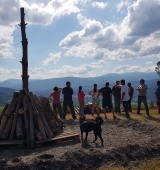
147 115
138 113
128 117
114 117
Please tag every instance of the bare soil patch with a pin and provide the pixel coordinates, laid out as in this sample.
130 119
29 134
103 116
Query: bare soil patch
127 143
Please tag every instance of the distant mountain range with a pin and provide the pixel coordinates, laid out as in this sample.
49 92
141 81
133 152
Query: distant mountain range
45 87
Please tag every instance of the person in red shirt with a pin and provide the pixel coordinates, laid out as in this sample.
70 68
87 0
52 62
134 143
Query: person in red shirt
55 97
81 101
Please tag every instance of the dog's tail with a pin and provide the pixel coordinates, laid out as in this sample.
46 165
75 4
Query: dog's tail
99 120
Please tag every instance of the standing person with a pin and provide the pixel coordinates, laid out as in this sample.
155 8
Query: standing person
157 92
125 98
94 92
130 92
106 93
55 97
142 92
81 101
117 97
67 92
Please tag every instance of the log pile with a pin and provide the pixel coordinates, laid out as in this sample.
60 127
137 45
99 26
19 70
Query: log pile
28 118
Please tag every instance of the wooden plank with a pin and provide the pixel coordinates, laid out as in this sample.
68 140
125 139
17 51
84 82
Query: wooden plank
11 142
63 137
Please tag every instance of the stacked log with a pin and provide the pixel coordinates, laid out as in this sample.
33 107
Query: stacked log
28 118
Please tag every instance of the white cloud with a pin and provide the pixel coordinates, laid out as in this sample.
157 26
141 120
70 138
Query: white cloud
121 5
37 13
136 36
101 5
7 74
53 59
85 70
149 62
130 68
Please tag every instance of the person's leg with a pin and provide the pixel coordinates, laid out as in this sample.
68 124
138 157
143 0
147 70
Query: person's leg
54 108
97 108
110 106
118 105
115 105
158 105
129 105
81 108
93 106
71 106
104 105
125 105
139 104
59 109
146 105
64 109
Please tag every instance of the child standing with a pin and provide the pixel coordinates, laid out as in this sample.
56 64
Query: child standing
157 92
55 97
81 101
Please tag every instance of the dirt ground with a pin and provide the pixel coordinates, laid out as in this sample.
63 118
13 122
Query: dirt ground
127 143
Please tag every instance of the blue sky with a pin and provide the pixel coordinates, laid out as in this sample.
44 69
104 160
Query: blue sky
81 38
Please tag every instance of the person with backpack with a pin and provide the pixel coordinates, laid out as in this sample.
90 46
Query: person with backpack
94 92
157 92
81 101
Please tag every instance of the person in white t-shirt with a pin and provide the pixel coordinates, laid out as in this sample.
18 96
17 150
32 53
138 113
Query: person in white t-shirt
125 98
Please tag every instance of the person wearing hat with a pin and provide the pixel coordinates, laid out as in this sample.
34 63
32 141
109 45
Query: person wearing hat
55 97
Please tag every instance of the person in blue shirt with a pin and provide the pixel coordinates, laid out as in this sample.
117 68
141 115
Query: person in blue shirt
157 92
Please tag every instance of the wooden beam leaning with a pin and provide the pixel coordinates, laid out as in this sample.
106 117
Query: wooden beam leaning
9 111
16 115
36 114
3 111
31 125
26 118
19 129
8 127
41 111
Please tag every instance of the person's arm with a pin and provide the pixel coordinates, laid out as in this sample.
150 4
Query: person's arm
111 94
100 92
90 92
50 97
72 91
63 91
144 88
156 91
83 93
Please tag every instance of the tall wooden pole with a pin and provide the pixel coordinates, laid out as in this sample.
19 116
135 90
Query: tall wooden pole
24 61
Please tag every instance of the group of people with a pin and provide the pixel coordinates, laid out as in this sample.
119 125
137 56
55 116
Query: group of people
121 92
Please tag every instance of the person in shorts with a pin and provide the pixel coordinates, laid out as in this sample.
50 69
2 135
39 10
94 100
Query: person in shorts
94 92
106 93
55 97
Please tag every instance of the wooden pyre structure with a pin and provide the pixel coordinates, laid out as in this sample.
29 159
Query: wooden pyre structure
27 117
